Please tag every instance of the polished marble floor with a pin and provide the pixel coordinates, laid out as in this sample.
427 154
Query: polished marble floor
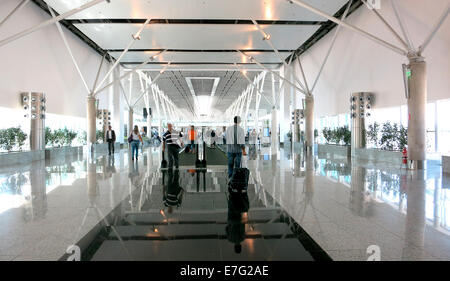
299 208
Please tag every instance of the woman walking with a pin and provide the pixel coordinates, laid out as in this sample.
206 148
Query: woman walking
135 138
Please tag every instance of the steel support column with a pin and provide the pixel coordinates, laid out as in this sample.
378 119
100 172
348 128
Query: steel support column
91 121
274 132
130 119
309 123
417 102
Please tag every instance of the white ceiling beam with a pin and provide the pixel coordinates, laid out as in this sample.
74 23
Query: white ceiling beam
49 22
349 26
410 46
289 82
129 72
69 50
266 37
15 10
436 27
333 40
399 38
153 82
134 37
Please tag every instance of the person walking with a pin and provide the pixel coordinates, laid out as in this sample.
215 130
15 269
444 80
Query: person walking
135 138
224 135
192 134
110 137
235 145
213 139
172 139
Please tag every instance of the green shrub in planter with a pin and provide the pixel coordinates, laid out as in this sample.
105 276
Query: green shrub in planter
82 137
338 135
48 136
68 136
393 136
59 137
12 137
402 137
346 135
327 134
372 133
289 136
99 135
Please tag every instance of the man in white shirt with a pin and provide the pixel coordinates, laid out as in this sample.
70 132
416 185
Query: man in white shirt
235 145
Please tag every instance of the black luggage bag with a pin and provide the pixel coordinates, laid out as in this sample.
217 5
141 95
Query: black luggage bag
239 180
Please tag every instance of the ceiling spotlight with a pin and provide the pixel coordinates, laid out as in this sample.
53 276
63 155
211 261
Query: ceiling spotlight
25 98
33 116
368 114
266 37
25 107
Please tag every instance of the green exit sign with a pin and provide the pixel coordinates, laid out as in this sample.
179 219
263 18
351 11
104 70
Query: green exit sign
408 73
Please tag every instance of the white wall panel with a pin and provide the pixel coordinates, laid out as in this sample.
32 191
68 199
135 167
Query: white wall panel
40 62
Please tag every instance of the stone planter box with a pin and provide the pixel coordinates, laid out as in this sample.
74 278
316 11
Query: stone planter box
446 164
377 155
285 144
102 148
21 157
59 152
331 150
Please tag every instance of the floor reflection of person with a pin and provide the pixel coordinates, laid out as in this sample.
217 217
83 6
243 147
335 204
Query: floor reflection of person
134 173
238 204
172 191
110 168
252 155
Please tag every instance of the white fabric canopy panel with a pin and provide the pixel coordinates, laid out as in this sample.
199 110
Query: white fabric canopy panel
219 57
197 36
198 9
203 67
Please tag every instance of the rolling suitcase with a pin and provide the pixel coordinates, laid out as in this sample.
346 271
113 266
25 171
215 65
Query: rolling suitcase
164 161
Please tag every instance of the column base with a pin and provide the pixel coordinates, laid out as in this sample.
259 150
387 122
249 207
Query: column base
417 164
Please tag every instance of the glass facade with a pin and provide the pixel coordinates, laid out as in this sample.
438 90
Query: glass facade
15 118
437 125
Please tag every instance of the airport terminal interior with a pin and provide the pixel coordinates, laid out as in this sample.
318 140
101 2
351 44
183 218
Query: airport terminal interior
213 130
